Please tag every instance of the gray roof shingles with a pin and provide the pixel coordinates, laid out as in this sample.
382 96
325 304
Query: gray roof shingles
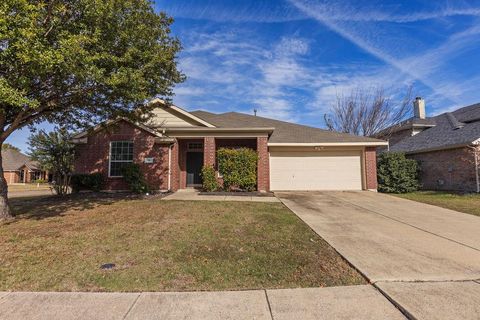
14 160
285 132
460 127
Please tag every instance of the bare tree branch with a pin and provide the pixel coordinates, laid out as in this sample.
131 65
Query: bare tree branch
367 112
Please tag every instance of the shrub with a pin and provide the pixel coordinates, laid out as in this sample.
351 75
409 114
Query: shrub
209 180
397 174
40 181
134 178
238 167
85 181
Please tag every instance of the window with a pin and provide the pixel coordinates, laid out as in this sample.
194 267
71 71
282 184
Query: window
121 153
195 146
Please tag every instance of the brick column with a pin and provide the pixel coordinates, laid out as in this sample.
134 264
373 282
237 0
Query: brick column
209 151
174 169
263 166
371 168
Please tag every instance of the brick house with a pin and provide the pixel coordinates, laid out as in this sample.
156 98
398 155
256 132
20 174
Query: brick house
173 147
446 146
19 168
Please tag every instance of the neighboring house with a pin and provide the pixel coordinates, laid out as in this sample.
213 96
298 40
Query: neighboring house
174 146
19 168
447 146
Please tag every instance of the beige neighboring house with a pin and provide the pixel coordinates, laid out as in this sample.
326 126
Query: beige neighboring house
19 168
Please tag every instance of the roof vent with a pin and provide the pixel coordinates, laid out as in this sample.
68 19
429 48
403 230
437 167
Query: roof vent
454 122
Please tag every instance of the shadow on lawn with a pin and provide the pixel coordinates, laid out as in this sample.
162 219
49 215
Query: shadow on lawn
41 207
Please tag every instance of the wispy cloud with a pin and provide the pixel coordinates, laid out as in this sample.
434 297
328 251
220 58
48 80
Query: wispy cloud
417 66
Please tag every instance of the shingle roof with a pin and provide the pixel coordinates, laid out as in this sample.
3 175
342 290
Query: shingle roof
461 127
285 132
13 160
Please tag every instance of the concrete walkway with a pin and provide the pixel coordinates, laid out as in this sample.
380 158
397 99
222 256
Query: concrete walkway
424 258
354 302
194 195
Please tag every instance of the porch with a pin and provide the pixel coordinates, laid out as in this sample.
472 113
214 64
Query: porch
190 154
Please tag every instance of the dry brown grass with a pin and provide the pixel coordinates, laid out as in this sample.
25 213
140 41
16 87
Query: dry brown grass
59 244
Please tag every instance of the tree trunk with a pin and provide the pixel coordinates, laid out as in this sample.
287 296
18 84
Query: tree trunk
5 212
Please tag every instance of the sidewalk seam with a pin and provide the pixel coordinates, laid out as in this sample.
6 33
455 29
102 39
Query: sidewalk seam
131 307
268 304
397 305
405 223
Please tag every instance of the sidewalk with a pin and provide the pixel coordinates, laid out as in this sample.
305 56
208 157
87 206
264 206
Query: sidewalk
194 195
350 302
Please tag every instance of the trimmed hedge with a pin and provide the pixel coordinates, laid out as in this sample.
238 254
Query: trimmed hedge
92 181
238 167
396 173
209 180
134 178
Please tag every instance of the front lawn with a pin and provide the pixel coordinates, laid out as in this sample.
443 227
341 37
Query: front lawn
59 245
28 187
468 203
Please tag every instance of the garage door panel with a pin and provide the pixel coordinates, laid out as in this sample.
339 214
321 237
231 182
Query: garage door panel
315 170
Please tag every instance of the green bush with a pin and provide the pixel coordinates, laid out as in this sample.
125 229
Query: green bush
40 181
238 167
209 180
85 181
134 178
397 174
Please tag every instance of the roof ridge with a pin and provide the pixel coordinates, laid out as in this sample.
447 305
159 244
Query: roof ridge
454 121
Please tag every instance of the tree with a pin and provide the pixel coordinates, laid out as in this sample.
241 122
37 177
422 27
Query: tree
54 151
78 63
7 146
367 112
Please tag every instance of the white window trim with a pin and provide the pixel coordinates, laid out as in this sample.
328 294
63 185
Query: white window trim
110 158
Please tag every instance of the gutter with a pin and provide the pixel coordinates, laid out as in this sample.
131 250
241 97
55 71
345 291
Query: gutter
452 146
330 144
203 129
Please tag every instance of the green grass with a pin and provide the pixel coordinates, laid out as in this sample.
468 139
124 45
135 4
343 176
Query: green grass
468 203
59 244
28 187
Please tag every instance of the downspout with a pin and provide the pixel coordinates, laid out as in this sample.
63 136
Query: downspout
475 155
169 166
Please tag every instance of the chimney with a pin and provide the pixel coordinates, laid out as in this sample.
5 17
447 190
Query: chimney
419 108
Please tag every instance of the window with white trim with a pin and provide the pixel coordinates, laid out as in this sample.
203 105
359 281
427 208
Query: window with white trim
121 154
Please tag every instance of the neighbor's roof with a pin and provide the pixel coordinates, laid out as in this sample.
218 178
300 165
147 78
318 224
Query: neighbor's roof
452 129
14 160
284 132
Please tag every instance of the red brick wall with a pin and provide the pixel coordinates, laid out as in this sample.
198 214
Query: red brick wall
263 179
93 156
209 155
451 169
11 176
175 169
371 168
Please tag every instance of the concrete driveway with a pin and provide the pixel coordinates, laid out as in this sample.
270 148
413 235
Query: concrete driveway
407 249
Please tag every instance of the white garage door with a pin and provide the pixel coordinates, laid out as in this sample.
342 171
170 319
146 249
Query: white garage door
323 170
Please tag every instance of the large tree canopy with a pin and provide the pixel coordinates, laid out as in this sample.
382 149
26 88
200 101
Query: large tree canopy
79 62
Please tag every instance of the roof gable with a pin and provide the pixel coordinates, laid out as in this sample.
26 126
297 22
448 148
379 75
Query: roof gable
170 116
14 160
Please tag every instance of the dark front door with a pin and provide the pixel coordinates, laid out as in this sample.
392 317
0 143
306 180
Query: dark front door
194 168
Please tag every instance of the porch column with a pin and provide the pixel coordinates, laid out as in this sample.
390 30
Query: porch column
371 168
263 166
174 167
209 151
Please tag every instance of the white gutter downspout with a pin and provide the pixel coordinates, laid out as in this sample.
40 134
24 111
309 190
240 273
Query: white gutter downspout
169 166
475 155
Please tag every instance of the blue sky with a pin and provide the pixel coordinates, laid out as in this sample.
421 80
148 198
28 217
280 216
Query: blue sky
290 58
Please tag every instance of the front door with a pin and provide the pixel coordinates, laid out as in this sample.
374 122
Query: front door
194 168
